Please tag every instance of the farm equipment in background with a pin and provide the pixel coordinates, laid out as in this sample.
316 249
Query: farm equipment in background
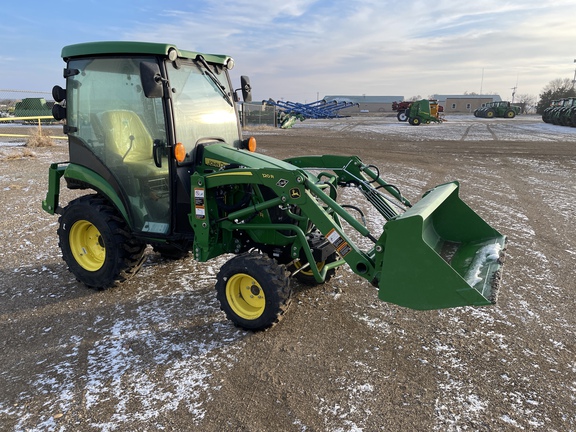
547 114
153 133
424 111
33 107
401 108
562 113
497 109
290 112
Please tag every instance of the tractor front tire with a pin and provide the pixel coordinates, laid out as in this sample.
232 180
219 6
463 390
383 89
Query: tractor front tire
510 114
490 113
96 243
307 277
254 291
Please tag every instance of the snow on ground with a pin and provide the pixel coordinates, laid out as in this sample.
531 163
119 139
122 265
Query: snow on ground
158 354
455 128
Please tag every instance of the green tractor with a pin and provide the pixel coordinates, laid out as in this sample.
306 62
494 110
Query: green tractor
423 111
502 109
565 113
155 142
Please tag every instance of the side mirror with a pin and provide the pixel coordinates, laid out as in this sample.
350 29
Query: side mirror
246 88
58 112
152 82
58 93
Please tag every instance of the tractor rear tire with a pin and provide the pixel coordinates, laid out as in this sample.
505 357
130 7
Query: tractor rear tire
510 114
254 291
96 243
401 116
490 113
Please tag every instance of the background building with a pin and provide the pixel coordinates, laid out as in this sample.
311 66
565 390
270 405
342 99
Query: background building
366 104
464 103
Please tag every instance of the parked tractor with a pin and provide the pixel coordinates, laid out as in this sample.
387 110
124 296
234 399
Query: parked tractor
547 114
564 112
497 109
155 143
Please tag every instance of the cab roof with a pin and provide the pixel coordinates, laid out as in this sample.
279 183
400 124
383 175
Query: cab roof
126 47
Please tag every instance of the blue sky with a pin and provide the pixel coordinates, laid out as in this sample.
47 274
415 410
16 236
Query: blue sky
300 49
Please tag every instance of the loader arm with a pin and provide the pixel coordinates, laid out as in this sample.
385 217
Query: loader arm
435 254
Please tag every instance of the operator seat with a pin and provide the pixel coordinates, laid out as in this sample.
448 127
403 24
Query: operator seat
126 136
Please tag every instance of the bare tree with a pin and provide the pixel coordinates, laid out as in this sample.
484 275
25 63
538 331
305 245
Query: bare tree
558 88
527 102
558 85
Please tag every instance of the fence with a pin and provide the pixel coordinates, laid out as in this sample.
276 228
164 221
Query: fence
258 114
23 113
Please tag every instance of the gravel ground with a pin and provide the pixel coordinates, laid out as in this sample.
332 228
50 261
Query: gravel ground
158 354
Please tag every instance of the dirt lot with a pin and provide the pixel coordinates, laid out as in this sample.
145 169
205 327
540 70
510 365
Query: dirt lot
157 353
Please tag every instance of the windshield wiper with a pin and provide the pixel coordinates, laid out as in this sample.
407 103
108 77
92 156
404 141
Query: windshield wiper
215 80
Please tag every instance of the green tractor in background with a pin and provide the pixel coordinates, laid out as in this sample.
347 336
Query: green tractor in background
154 140
502 109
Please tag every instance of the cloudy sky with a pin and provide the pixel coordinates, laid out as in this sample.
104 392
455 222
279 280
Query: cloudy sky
300 49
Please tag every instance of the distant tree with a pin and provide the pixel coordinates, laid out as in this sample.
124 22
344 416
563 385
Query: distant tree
415 98
526 101
558 88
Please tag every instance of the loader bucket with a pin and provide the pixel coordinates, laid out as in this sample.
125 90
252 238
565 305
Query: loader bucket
440 254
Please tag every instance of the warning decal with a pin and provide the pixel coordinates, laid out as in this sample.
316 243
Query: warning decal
342 247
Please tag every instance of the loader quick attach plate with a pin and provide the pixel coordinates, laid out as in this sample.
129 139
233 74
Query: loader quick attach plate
441 254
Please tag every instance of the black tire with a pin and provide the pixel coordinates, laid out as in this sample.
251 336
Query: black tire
254 291
307 277
415 121
510 114
490 113
96 243
401 116
573 119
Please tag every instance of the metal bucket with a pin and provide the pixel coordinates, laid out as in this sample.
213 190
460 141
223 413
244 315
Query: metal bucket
440 254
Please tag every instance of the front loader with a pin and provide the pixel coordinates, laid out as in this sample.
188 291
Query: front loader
153 133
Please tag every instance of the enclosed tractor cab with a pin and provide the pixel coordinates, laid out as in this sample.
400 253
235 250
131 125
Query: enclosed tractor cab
155 144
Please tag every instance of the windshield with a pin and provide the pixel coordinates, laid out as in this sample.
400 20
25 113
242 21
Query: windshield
202 108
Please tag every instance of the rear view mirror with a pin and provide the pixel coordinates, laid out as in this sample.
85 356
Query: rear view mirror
151 80
246 88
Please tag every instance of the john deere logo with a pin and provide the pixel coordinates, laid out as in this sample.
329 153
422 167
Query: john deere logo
294 193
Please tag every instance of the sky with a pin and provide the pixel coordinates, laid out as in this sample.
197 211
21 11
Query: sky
303 50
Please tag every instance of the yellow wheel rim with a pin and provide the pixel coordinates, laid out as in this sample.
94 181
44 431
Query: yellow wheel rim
308 270
87 246
245 296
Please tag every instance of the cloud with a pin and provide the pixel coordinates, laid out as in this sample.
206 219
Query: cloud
299 49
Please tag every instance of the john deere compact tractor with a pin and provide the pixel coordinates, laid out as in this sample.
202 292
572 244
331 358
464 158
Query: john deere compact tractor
155 142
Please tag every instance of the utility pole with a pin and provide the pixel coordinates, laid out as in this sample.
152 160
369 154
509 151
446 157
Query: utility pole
515 87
